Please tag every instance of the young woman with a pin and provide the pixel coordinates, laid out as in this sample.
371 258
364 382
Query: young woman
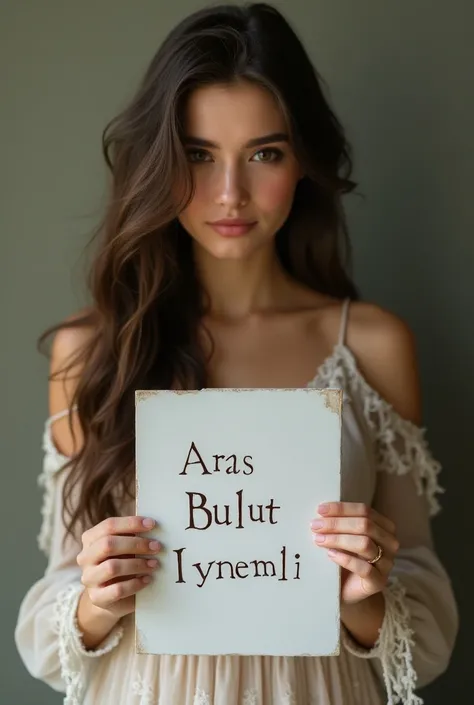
222 263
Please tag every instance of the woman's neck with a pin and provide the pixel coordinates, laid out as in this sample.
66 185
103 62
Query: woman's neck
239 288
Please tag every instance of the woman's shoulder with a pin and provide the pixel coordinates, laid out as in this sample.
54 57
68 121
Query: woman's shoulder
68 350
371 324
384 347
72 336
368 329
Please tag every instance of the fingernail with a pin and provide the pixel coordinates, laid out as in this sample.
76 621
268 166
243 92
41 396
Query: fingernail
146 579
320 538
332 552
323 508
148 523
152 563
154 545
317 524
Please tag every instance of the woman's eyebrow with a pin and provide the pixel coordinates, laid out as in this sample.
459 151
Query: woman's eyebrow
255 142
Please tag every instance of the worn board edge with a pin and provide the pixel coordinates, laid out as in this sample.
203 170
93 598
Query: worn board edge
334 395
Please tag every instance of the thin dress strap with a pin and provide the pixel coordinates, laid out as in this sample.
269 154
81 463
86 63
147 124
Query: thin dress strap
344 318
59 415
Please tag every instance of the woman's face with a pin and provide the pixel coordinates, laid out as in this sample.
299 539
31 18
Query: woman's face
243 167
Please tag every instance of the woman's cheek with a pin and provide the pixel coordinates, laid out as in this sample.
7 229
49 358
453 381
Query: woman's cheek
202 192
278 193
197 206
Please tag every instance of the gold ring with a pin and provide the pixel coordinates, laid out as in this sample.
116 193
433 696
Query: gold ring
378 556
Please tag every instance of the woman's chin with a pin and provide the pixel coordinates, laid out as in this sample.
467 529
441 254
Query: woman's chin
234 248
230 248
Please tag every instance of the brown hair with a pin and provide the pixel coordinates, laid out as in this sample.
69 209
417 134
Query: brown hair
147 304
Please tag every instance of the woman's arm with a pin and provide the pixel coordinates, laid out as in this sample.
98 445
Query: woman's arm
409 627
363 620
47 635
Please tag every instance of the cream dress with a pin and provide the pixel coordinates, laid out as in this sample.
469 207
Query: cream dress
386 463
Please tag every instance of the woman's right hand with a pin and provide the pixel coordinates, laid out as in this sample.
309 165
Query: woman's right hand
116 564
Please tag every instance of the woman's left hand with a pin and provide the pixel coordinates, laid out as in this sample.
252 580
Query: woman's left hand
353 533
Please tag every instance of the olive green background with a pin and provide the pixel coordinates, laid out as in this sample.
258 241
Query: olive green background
400 76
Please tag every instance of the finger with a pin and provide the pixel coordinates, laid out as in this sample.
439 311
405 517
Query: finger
360 567
107 596
357 525
117 525
109 546
362 546
384 565
356 546
356 509
96 575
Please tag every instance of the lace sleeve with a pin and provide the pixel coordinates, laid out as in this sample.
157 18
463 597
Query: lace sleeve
418 633
401 446
47 636
53 463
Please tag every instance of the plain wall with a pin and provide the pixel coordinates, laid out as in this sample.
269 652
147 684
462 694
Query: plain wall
400 79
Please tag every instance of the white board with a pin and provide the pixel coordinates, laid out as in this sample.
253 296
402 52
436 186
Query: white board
256 583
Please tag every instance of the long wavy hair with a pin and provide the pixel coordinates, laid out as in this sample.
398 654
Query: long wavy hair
147 303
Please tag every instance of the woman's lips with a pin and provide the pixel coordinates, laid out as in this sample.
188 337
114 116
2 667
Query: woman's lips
232 229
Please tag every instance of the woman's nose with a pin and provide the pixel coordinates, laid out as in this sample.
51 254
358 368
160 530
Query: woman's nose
231 190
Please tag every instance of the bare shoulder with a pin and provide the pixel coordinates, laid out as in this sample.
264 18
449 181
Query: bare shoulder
66 366
69 341
385 349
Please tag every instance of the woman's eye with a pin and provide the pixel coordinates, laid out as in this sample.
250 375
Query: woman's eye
198 156
269 155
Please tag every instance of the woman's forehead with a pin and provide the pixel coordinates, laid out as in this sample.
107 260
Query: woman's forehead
236 113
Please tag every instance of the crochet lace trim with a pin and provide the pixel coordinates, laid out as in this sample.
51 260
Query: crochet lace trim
142 688
393 647
400 444
73 656
53 461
